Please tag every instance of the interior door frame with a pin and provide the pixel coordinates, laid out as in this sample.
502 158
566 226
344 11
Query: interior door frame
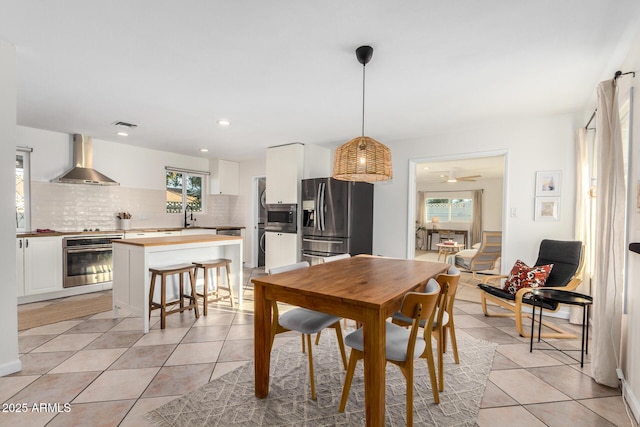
411 211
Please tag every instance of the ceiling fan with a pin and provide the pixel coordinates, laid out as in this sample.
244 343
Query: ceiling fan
452 178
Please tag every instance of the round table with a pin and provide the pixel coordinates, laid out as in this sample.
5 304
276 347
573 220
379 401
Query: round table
540 295
450 248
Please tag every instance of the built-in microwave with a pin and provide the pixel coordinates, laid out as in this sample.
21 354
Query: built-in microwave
282 217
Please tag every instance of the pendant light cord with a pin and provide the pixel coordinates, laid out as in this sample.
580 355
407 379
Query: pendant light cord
364 66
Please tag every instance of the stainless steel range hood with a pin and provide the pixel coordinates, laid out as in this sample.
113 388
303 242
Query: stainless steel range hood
82 172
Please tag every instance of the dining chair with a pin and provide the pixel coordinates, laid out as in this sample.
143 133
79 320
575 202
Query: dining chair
402 345
305 321
442 323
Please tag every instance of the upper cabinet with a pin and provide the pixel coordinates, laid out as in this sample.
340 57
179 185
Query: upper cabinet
288 164
225 177
284 172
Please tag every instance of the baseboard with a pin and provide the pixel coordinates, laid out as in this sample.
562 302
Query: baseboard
631 400
10 367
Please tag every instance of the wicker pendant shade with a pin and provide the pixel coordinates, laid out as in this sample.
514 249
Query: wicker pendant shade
362 159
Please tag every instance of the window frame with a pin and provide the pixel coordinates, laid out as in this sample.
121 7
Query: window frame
449 196
25 152
186 173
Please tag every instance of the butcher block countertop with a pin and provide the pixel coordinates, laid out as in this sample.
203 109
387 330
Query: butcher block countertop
44 233
176 240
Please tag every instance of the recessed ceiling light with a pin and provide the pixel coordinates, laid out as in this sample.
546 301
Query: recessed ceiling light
223 122
122 134
204 150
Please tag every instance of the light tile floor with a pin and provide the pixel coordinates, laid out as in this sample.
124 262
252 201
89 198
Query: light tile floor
107 370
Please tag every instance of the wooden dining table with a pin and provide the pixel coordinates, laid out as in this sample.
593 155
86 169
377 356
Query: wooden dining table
363 288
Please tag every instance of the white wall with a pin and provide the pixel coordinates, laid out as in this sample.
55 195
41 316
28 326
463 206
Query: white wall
9 361
531 144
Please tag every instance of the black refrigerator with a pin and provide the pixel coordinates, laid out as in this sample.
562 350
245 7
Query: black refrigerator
337 218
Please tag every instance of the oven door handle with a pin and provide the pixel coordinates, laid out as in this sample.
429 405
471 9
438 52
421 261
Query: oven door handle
88 249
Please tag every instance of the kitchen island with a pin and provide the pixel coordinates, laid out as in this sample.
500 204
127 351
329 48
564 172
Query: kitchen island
132 259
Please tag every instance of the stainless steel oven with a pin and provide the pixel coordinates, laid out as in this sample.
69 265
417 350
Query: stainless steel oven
87 259
282 218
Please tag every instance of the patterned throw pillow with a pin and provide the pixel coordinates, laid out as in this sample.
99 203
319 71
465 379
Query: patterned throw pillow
523 276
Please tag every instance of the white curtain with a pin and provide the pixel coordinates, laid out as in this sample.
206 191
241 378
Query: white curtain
609 248
583 216
476 224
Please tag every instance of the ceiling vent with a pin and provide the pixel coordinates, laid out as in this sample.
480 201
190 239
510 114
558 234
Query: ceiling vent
125 124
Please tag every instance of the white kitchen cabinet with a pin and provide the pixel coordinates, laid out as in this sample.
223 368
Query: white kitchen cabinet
282 249
284 173
225 177
38 265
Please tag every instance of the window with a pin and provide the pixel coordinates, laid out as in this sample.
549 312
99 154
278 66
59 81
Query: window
23 217
449 209
184 190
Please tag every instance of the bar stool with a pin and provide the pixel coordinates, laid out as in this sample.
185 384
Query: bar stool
206 266
164 272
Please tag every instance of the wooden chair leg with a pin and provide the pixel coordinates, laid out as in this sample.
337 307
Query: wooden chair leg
343 353
194 295
229 284
318 337
163 301
454 343
428 353
311 375
409 381
205 290
353 359
151 292
440 351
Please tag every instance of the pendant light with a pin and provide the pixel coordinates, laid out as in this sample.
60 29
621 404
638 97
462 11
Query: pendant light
362 158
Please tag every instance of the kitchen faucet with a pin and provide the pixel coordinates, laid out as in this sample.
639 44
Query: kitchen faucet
187 208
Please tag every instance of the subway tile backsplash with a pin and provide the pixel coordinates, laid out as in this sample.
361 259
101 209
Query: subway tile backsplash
74 207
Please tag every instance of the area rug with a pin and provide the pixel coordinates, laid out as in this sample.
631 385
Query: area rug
230 400
65 309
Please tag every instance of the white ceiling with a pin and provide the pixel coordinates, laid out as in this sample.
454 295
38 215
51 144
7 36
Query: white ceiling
438 172
285 70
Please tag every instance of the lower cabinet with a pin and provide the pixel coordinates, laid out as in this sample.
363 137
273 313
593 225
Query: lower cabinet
282 249
38 265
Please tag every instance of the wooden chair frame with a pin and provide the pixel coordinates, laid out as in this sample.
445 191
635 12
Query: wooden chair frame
515 307
420 307
277 328
486 257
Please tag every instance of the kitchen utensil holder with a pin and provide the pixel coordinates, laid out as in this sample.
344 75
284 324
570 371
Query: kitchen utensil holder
125 224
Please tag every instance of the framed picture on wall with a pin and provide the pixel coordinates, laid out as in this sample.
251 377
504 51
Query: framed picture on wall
548 183
547 209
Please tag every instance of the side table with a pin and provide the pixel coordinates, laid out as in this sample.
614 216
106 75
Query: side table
540 295
447 249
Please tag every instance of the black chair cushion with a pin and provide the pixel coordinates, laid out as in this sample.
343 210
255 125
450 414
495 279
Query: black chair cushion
509 296
565 257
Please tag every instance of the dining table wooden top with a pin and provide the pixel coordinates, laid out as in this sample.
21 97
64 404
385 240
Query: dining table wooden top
363 288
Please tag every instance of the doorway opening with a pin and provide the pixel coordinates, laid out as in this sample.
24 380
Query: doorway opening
441 200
